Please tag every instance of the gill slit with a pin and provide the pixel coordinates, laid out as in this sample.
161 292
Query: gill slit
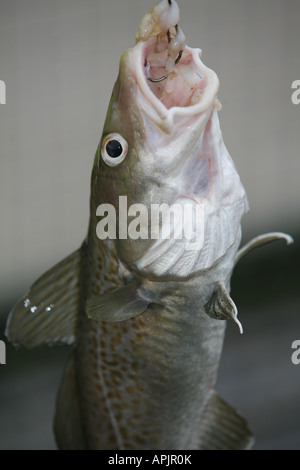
107 400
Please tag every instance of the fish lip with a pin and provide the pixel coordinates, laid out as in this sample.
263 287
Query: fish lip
152 105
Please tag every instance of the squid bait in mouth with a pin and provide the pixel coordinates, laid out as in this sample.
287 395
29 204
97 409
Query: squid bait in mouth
146 316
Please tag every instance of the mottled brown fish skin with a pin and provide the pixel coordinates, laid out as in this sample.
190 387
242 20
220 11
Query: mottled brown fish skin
146 381
143 382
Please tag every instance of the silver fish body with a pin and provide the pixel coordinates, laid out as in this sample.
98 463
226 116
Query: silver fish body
152 374
146 315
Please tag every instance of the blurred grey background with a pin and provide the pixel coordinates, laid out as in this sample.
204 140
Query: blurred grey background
59 60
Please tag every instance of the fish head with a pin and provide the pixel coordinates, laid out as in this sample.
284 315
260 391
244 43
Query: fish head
162 147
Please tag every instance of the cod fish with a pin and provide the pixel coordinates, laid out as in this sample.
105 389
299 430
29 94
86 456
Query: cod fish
146 313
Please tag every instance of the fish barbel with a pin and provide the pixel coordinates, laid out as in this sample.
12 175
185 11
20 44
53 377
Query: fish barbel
146 314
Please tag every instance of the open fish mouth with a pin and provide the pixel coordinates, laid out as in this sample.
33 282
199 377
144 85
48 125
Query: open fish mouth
177 154
183 86
171 77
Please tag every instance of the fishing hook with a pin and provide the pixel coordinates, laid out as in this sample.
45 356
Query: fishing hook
161 79
178 57
153 80
157 80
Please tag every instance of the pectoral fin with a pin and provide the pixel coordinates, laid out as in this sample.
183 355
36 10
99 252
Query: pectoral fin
222 307
222 428
262 240
48 313
118 305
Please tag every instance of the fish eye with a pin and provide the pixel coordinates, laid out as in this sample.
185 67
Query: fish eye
114 149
